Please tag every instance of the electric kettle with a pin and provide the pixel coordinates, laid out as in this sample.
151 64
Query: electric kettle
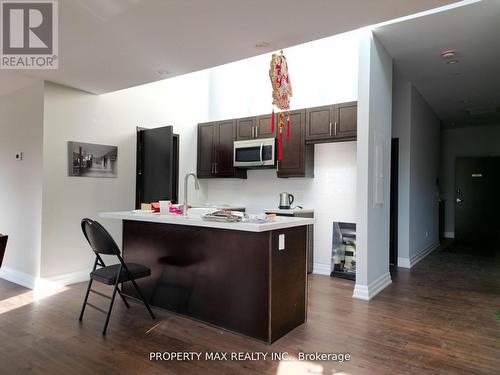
286 200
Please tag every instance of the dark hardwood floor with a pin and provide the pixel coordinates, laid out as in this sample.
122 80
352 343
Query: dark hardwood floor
438 318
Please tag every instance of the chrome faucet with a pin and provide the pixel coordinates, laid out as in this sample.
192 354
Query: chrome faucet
197 187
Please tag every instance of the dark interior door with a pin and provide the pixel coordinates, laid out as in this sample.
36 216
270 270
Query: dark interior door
156 171
393 236
477 205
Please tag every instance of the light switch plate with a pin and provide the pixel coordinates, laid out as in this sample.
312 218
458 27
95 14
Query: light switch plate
19 156
281 242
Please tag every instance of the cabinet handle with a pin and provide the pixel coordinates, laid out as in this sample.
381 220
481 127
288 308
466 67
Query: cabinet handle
330 129
256 131
215 168
336 127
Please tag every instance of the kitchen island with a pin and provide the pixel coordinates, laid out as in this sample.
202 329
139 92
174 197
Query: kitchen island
243 277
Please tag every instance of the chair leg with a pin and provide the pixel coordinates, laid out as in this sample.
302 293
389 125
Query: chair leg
111 306
143 299
123 298
85 300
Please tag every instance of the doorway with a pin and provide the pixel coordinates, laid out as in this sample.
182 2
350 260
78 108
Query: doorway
477 201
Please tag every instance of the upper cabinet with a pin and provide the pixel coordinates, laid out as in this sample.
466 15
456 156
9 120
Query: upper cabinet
254 128
298 157
215 150
332 123
347 120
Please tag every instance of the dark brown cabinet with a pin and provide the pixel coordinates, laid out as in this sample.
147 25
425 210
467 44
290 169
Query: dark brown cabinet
254 127
245 128
215 150
298 157
332 123
347 120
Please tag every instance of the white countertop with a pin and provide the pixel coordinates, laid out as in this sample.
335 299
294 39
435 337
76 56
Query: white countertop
196 221
290 211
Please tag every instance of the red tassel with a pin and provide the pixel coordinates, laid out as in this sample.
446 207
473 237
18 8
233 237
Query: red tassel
288 128
280 146
272 123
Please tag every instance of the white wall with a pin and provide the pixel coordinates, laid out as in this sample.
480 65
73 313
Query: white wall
424 190
322 72
472 141
401 128
72 115
373 172
21 130
418 130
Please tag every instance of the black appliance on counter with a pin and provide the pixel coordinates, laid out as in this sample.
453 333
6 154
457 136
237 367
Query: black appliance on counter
157 168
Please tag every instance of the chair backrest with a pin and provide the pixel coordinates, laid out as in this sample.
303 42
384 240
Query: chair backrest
99 238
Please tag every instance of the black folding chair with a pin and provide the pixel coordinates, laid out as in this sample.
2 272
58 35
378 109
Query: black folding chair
101 242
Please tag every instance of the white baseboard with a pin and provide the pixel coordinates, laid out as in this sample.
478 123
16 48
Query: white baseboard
71 278
18 277
321 269
449 234
404 262
367 292
411 262
36 282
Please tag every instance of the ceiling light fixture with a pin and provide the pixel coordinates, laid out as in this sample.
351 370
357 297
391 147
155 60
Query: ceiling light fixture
448 54
451 62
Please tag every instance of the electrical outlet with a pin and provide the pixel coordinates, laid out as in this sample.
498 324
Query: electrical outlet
281 242
19 156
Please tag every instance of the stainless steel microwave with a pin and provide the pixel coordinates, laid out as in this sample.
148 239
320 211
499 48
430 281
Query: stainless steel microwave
255 153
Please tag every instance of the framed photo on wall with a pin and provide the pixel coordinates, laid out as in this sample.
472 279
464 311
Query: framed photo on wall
92 160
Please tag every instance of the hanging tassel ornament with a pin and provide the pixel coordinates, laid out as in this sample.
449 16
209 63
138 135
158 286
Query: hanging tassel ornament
288 130
272 122
280 145
280 140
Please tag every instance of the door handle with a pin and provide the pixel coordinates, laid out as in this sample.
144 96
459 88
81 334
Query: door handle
459 200
262 153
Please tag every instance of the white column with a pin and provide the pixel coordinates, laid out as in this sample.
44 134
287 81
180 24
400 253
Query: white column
373 163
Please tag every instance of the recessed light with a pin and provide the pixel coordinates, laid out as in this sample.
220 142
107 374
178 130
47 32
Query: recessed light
262 45
451 62
448 54
162 71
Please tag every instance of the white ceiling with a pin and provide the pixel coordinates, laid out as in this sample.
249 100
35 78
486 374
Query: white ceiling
462 94
115 44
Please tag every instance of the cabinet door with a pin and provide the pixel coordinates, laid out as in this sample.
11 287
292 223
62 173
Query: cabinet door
320 123
224 149
294 149
263 127
206 145
347 120
245 128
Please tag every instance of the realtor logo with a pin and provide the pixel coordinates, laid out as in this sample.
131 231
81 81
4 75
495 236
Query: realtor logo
29 34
